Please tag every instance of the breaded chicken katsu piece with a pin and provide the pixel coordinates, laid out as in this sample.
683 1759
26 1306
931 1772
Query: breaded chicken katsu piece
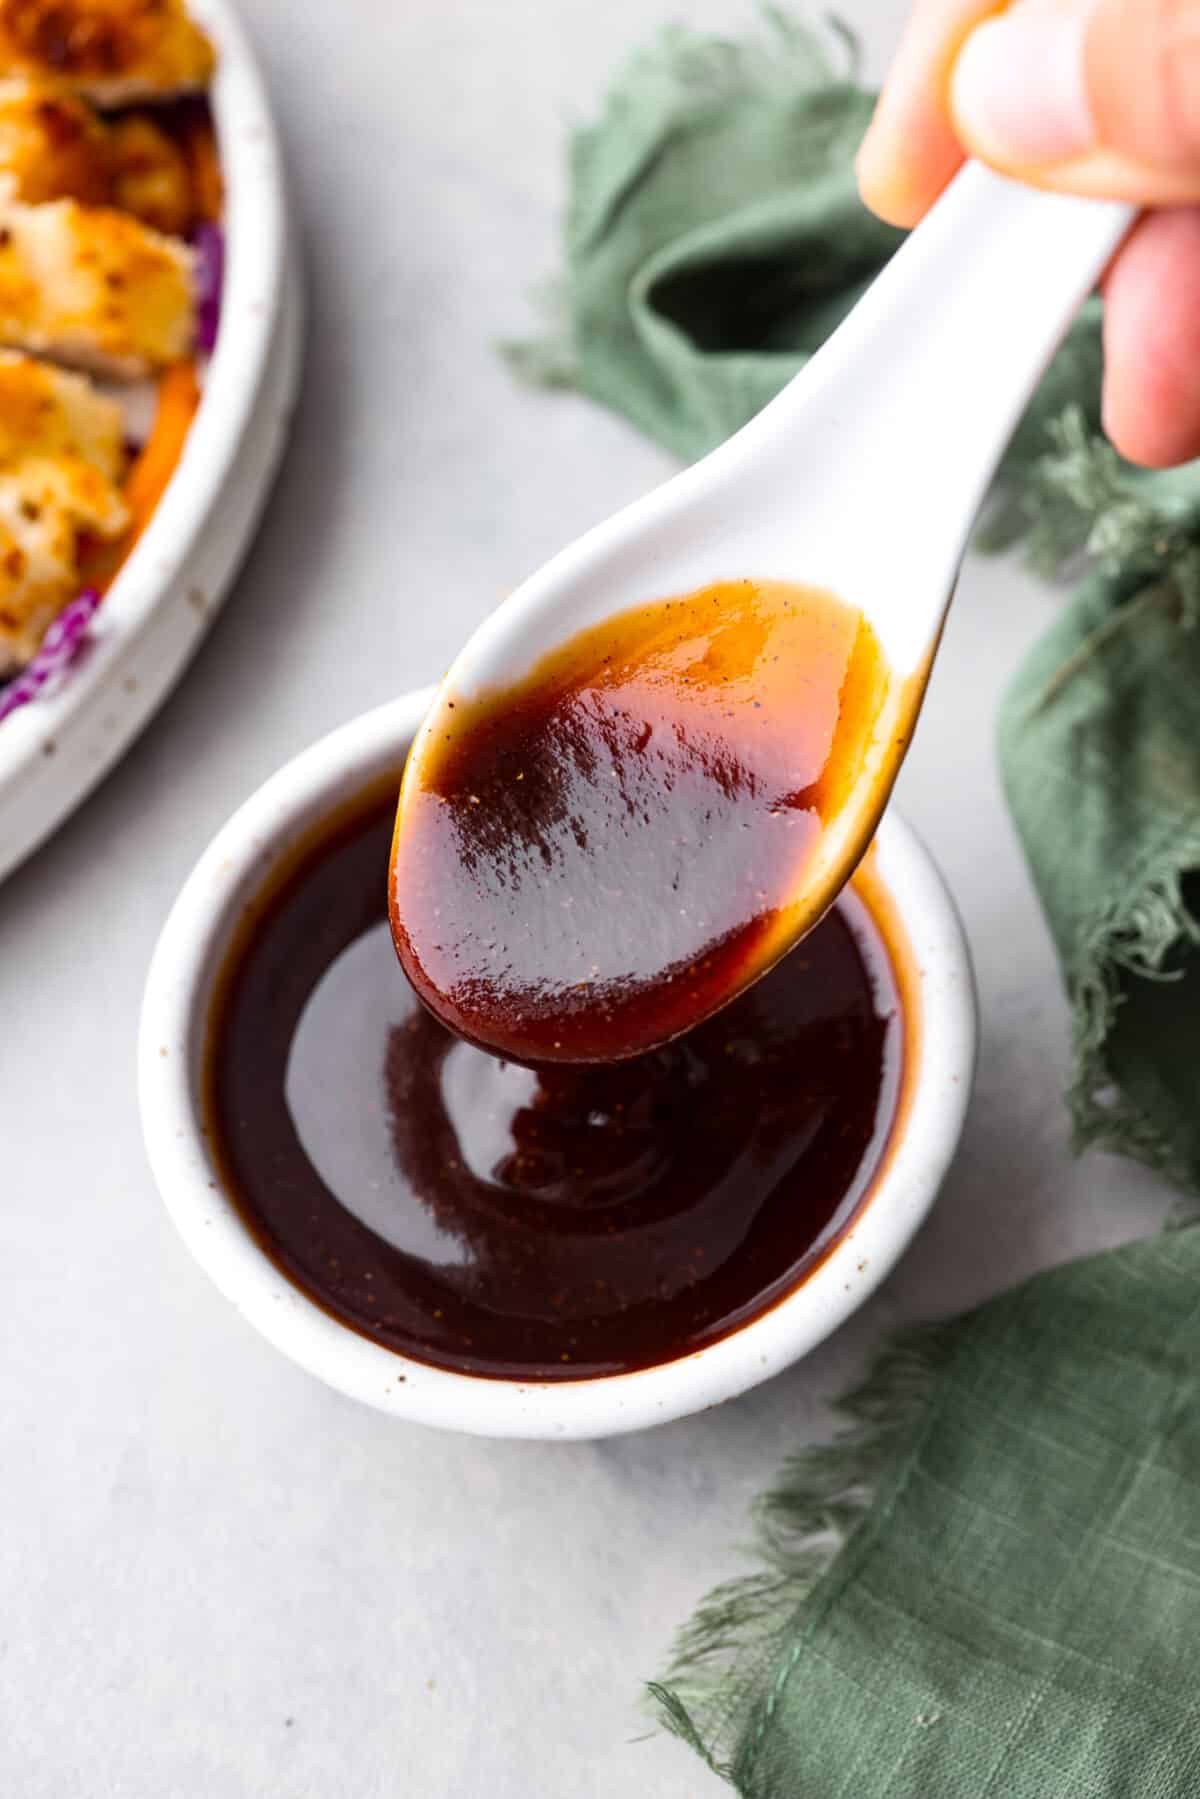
61 461
112 51
150 175
93 287
55 146
46 411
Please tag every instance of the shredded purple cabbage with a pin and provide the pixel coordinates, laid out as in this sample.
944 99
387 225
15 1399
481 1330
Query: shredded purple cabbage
208 241
60 646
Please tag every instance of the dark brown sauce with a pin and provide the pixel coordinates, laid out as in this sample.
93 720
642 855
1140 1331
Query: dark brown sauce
588 863
560 1224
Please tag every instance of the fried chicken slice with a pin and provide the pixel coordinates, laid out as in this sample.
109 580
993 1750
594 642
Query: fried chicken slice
93 287
111 51
61 461
55 146
52 145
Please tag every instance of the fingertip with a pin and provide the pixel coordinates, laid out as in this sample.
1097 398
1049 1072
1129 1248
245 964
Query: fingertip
885 188
1141 436
901 171
1152 342
911 151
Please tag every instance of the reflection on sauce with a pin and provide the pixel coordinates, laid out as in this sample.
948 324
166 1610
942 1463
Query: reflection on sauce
586 864
561 1223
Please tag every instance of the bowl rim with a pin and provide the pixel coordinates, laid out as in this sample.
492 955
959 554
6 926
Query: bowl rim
228 876
259 287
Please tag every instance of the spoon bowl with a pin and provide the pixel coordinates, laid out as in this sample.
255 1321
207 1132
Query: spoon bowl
860 481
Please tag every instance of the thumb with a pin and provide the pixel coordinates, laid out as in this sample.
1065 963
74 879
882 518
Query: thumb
1089 96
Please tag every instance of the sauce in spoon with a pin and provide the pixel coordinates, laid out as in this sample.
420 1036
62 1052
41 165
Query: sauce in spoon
588 864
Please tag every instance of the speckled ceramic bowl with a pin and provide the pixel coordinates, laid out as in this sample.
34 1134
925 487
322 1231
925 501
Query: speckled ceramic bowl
935 977
52 753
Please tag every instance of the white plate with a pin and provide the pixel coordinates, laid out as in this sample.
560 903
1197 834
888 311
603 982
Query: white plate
158 609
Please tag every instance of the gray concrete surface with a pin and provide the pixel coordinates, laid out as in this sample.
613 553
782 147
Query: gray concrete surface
218 1580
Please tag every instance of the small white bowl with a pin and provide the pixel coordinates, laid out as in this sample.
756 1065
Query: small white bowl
155 615
234 870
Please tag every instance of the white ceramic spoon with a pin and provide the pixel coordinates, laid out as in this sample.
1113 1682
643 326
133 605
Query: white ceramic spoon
862 478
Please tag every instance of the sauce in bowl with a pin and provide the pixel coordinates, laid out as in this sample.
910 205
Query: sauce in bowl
551 1224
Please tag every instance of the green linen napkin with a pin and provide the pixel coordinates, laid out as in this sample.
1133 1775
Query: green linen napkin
990 1584
1015 1613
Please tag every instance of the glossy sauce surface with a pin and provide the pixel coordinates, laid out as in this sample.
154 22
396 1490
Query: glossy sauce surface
554 1224
589 862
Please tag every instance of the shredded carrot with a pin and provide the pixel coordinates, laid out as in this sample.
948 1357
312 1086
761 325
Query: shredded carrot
208 189
178 398
152 468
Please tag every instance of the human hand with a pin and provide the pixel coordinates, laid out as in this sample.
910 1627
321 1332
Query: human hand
1097 97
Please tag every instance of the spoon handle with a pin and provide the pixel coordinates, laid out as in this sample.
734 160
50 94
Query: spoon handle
974 305
918 392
